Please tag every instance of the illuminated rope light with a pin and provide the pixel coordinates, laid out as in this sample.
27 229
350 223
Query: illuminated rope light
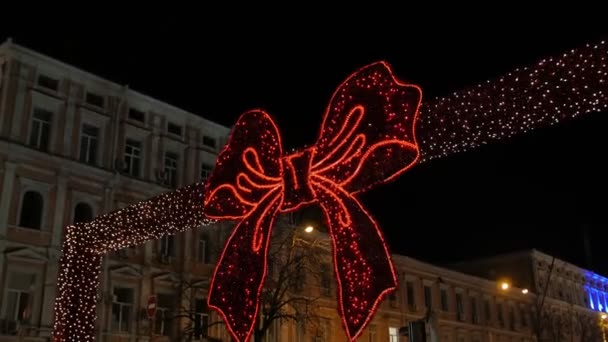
553 90
85 244
367 138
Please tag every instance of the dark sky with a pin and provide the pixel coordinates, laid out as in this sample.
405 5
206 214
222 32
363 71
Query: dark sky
535 190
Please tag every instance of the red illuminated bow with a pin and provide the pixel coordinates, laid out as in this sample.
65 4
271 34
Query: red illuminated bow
367 137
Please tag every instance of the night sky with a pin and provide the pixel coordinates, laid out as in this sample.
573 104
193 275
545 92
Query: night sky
536 190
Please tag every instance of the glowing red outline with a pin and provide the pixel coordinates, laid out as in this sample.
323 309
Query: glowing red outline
349 146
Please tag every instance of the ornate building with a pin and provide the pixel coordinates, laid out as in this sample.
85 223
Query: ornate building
73 146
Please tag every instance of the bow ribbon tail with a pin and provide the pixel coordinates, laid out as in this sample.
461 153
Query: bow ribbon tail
363 266
241 270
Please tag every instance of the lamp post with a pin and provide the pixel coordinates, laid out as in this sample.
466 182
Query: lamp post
603 326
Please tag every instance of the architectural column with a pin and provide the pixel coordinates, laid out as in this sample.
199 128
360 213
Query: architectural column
60 208
49 292
6 197
54 255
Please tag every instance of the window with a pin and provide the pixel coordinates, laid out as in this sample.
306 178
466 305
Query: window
83 213
19 296
459 307
171 169
325 280
511 318
201 318
474 311
392 299
409 289
137 115
174 129
203 249
48 82
209 141
523 317
428 296
499 315
132 157
167 245
31 210
122 309
393 334
95 100
444 300
88 144
371 333
206 171
163 314
486 309
41 129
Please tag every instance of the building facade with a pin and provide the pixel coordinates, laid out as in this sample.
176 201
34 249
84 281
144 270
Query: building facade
74 146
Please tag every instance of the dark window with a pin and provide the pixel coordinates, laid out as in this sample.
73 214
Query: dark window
201 318
41 129
428 296
122 309
444 300
137 115
167 245
459 307
486 308
474 311
203 249
133 155
47 82
409 290
31 210
209 141
206 171
171 169
174 129
88 144
95 100
164 318
83 213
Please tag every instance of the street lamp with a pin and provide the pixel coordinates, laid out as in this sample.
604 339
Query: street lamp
524 291
309 229
504 285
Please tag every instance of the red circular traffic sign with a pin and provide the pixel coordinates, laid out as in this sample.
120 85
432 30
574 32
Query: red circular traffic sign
151 306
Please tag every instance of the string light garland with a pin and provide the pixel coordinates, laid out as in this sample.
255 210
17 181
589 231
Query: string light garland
367 137
85 244
543 94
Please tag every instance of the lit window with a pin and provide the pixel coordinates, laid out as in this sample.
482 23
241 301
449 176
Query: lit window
393 334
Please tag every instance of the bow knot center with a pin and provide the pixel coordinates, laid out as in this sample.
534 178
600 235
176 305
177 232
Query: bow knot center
296 176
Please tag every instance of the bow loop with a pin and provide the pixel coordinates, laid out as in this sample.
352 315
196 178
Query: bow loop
369 121
246 169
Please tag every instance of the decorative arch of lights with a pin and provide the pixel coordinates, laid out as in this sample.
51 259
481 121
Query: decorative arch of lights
375 128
